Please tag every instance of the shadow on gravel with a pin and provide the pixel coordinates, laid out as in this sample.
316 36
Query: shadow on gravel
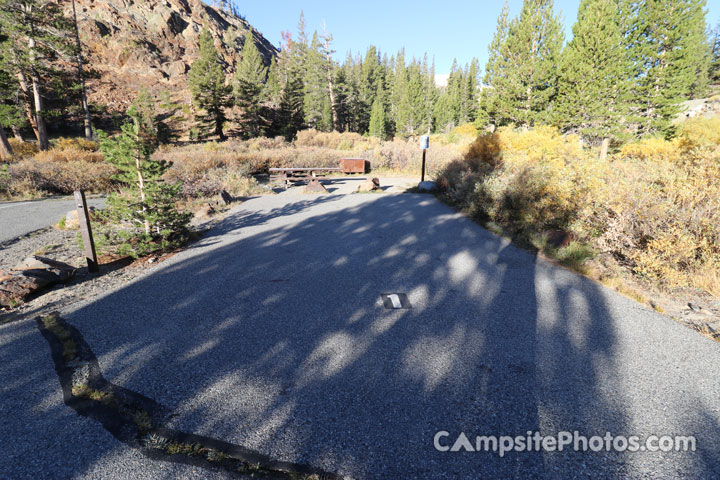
279 342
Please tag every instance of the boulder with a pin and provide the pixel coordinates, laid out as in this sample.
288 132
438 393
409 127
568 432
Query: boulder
369 185
427 186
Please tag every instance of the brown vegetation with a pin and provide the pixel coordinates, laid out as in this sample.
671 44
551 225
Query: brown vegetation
654 206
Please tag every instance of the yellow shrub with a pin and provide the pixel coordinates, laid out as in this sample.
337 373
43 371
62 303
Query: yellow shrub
541 143
70 154
74 143
23 149
466 129
660 215
651 149
699 132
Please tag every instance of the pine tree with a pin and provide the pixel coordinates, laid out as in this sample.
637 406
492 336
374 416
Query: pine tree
145 206
10 114
378 116
525 76
399 88
470 103
714 71
489 111
443 114
290 115
272 89
455 96
249 83
316 93
37 32
594 84
207 85
670 45
371 75
81 77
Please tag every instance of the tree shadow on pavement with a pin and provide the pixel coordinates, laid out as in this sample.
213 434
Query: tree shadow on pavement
276 339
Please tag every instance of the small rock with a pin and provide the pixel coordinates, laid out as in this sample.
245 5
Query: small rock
694 307
427 186
369 185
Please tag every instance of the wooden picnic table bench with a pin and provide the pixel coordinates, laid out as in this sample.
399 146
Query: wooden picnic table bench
300 174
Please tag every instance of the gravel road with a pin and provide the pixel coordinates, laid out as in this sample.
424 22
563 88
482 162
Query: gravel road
271 333
19 218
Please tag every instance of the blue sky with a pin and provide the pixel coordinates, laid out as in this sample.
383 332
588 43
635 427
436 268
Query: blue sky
447 29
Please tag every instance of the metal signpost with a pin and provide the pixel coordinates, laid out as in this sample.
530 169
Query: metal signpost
424 145
84 221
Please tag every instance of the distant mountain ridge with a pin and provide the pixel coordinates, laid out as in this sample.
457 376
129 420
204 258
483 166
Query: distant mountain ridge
136 44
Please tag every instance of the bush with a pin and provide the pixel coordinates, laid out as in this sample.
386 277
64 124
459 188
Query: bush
42 174
23 149
651 149
315 138
699 132
75 143
466 129
655 205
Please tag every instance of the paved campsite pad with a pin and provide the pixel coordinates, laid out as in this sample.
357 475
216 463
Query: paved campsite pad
271 334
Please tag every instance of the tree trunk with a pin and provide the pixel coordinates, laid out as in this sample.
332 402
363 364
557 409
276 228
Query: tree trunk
27 102
81 78
141 187
218 129
331 87
17 133
43 142
5 148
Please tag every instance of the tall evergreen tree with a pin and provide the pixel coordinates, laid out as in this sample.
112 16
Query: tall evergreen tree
525 76
594 84
378 116
489 111
329 72
399 87
316 93
670 46
37 33
207 85
714 74
469 108
11 115
249 84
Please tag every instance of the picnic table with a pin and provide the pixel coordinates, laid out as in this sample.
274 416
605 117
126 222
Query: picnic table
300 174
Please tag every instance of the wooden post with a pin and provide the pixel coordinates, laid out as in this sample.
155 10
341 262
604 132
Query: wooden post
84 221
422 176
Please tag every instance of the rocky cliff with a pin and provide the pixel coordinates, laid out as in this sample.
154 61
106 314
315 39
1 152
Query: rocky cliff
135 44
